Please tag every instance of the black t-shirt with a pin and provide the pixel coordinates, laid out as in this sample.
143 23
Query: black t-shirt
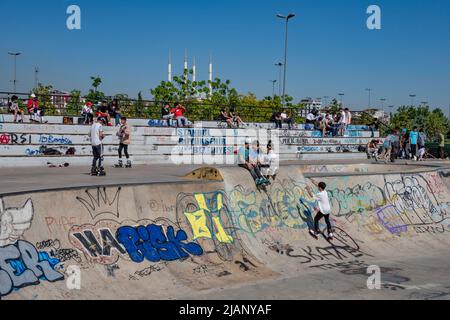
103 109
165 111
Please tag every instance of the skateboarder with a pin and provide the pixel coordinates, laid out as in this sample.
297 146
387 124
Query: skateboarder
97 135
124 135
323 210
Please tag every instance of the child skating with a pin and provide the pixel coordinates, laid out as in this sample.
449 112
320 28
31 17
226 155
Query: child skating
323 209
124 135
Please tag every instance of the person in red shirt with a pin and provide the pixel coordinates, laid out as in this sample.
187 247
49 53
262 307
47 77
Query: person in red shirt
33 107
179 112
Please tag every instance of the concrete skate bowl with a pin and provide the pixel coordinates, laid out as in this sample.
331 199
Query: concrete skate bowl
213 239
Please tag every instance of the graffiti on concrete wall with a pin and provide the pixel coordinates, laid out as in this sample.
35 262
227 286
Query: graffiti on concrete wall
21 265
107 238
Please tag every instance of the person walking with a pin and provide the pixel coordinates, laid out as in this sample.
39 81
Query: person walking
124 135
96 136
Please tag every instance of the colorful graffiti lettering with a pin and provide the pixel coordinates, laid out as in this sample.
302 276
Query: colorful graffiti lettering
152 244
22 265
199 219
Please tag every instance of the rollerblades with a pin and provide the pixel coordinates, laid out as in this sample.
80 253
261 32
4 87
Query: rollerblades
129 166
100 172
119 165
94 171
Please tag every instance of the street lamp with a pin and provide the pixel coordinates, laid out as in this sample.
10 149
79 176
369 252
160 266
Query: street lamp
15 55
36 78
287 18
279 65
342 98
370 90
273 87
412 96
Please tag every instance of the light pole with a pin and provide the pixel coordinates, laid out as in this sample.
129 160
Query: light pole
273 87
342 98
15 55
36 79
287 18
369 90
412 96
279 65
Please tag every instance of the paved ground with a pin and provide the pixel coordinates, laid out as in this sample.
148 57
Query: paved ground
14 180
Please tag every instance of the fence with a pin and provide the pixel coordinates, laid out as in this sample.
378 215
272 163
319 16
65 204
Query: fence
66 105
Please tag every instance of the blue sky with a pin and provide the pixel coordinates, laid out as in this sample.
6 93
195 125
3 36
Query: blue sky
331 49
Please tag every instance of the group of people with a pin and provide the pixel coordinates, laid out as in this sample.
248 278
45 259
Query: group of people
176 113
261 164
281 117
35 111
97 135
232 119
404 144
329 124
107 111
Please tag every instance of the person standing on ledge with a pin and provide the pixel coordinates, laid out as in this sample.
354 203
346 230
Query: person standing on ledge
97 135
124 135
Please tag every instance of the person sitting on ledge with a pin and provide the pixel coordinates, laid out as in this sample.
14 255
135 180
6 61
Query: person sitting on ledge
179 112
87 113
225 117
15 109
248 159
311 117
103 113
166 115
286 119
276 118
236 118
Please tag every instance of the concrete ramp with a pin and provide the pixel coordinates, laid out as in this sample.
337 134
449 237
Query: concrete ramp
219 236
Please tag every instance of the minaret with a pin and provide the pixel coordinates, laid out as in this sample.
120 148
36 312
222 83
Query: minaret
194 72
210 74
170 67
186 65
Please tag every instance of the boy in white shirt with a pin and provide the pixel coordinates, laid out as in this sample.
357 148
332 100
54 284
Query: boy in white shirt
97 135
323 208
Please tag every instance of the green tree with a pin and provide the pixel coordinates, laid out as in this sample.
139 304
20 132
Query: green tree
44 96
96 82
74 105
431 121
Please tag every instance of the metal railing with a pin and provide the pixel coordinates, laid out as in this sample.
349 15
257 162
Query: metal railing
67 105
